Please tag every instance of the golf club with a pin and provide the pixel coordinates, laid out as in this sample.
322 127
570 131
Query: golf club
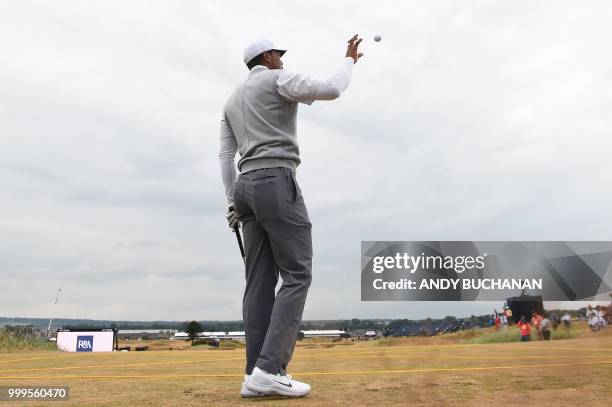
239 238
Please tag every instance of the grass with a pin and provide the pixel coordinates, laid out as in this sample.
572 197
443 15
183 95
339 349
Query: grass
231 344
512 334
483 336
182 345
10 343
434 371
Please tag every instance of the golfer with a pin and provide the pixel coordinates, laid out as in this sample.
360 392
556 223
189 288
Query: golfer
259 121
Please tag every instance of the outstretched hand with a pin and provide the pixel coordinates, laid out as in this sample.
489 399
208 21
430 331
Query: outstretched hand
351 49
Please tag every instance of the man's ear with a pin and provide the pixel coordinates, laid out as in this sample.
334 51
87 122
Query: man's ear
266 57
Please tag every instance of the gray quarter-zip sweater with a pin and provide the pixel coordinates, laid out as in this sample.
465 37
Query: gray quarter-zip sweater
263 122
259 118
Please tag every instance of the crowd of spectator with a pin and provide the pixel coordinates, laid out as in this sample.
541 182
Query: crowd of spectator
598 317
544 324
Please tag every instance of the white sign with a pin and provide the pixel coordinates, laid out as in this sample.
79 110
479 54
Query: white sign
92 341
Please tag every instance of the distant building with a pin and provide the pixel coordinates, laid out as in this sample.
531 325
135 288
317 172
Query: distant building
332 333
235 335
240 335
146 333
206 335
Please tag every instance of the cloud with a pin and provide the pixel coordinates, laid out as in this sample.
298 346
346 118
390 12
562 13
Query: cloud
469 121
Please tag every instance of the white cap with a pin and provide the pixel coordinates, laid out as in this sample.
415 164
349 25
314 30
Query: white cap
257 47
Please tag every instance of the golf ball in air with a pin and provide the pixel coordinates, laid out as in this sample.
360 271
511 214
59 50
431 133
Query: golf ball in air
377 38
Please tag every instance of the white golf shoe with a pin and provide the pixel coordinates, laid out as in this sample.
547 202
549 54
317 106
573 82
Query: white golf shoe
246 393
267 383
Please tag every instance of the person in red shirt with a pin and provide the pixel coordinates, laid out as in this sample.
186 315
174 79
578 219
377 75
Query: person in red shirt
525 329
536 320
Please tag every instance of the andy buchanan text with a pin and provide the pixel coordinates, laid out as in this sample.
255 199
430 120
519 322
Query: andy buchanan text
457 283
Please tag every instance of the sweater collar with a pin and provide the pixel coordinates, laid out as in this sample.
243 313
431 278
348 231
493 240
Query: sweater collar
259 68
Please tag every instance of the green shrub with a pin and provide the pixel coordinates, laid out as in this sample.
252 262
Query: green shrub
11 343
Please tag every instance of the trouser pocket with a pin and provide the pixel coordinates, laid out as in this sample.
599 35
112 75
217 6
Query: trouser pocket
266 197
294 193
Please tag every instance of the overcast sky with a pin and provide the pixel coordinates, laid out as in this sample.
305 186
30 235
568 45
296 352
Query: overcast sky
471 120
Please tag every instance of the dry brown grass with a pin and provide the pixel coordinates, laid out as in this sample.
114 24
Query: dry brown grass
157 344
418 371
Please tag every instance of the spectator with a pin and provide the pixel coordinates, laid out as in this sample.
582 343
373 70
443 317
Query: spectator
525 329
536 320
555 320
590 312
503 321
508 313
567 321
545 325
601 317
593 320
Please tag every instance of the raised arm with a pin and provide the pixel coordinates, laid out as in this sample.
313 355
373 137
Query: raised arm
304 89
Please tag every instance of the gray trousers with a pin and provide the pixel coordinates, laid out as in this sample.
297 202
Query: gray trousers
277 240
